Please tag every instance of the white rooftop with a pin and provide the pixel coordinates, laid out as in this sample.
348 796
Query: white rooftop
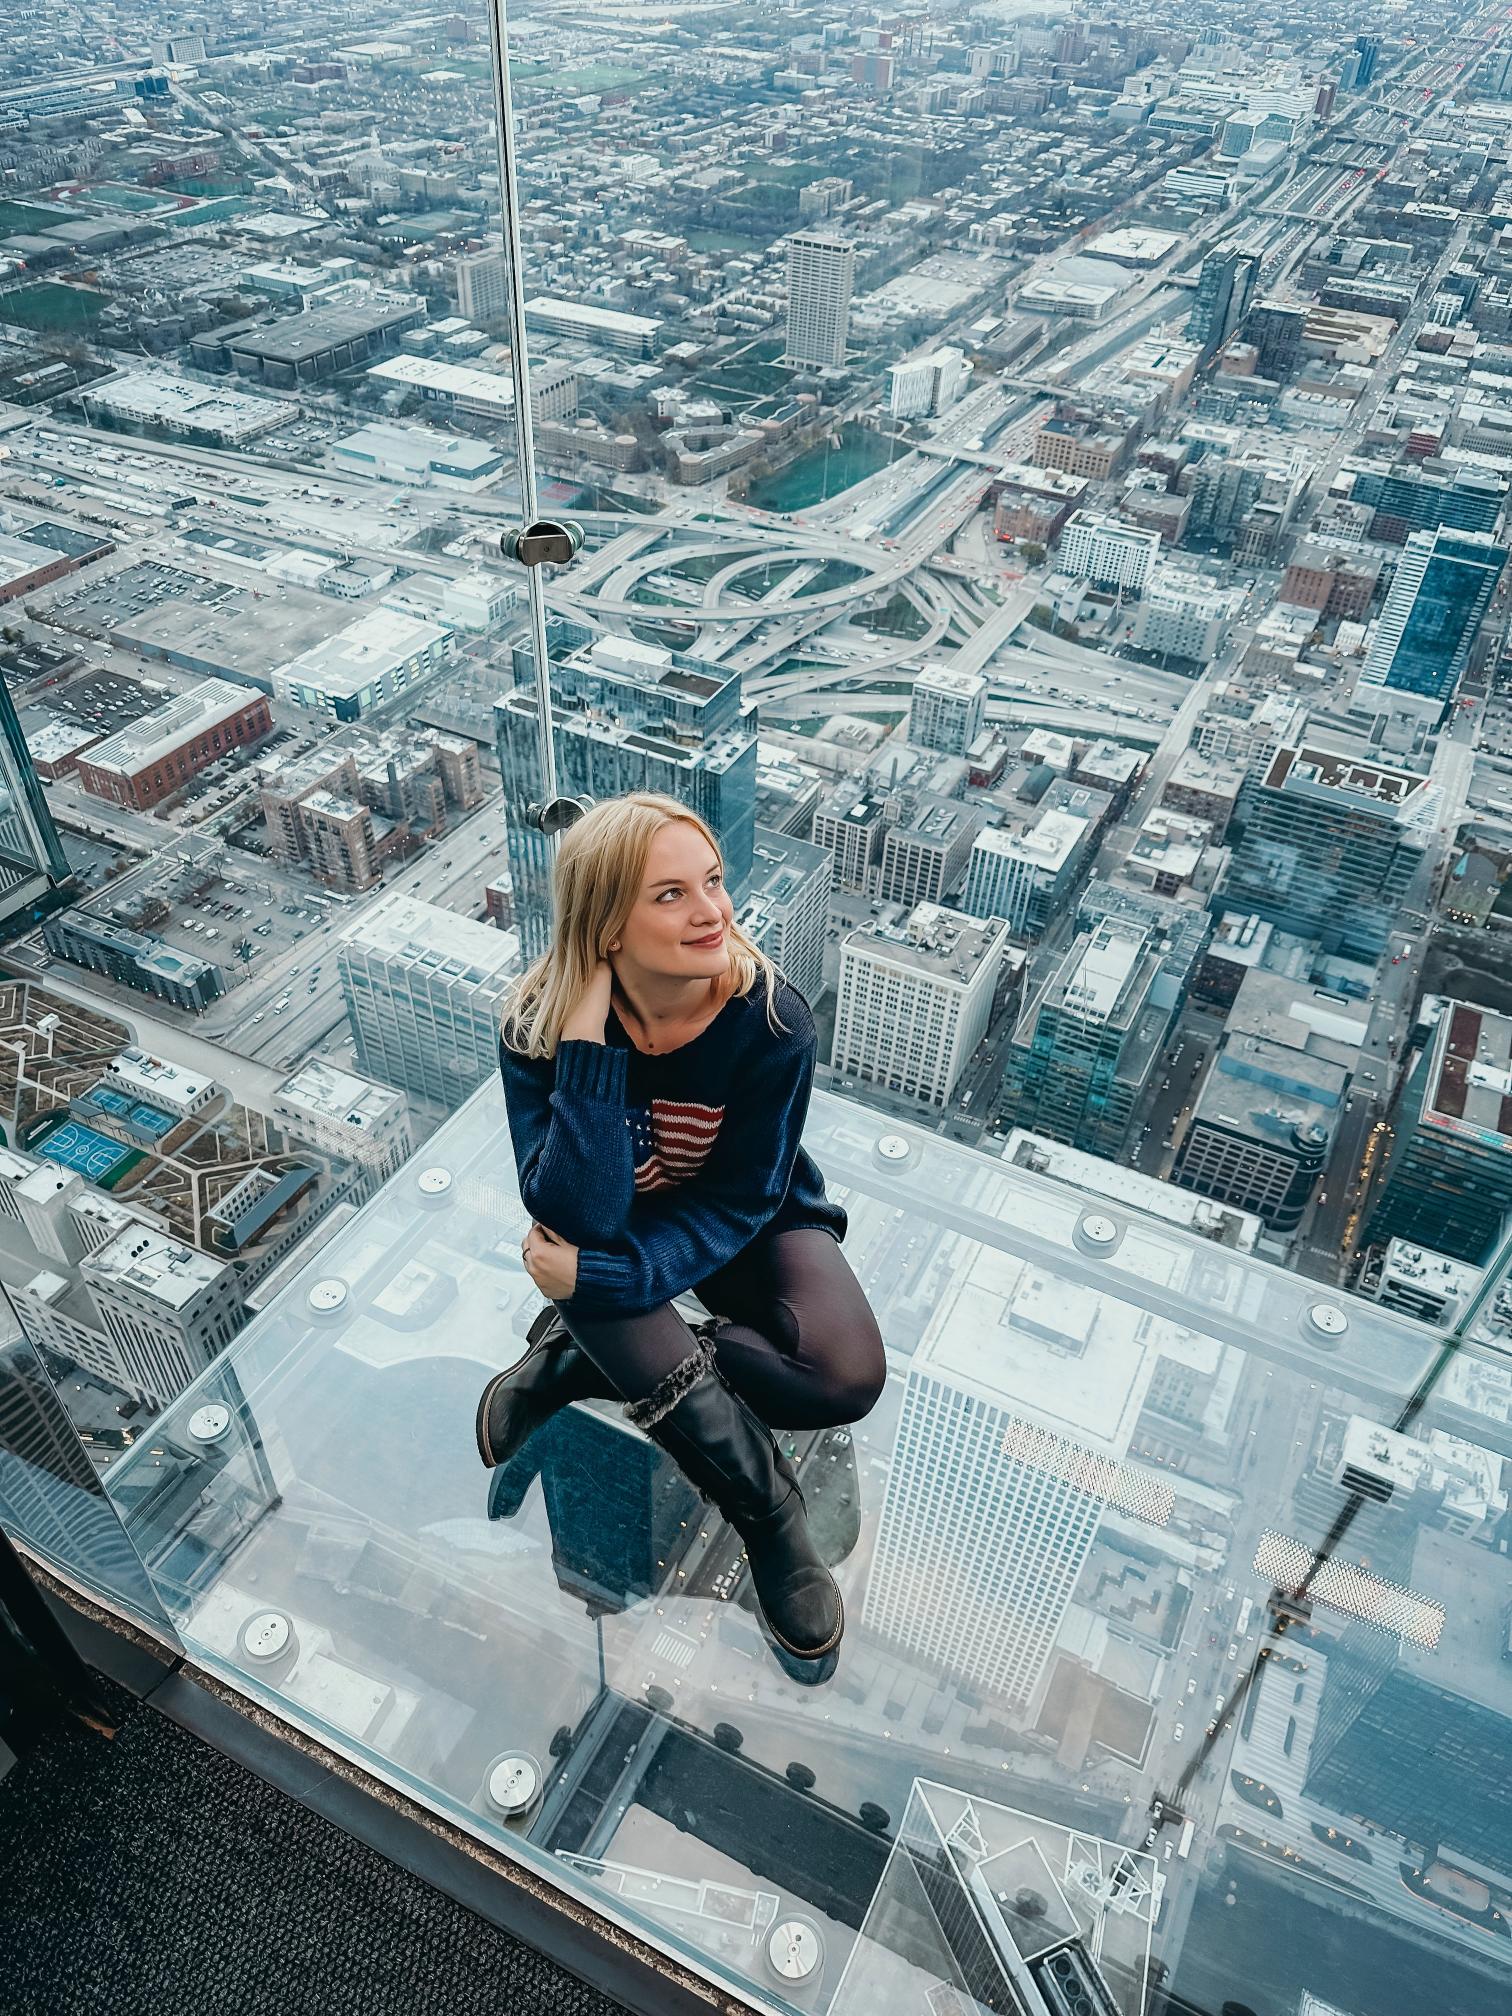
326 1093
1067 1356
152 1263
402 927
375 643
168 727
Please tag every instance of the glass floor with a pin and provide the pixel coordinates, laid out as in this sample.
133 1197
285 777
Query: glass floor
1178 1594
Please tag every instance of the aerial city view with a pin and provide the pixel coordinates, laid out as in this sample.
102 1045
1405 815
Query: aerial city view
1042 476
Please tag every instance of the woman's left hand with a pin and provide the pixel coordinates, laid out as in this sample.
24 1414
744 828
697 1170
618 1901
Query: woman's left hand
551 1262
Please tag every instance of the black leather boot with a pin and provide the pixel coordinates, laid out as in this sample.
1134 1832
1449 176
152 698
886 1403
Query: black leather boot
554 1372
728 1453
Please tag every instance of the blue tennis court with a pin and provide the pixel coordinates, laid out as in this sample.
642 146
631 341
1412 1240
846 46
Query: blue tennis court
153 1120
93 1155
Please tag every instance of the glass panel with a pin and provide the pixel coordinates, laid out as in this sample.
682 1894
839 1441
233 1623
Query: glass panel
52 1499
1176 1602
883 363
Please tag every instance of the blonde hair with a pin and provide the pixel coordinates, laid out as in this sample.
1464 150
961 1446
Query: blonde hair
600 868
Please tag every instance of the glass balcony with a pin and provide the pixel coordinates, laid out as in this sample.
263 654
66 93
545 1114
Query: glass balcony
1178 1594
1178 1584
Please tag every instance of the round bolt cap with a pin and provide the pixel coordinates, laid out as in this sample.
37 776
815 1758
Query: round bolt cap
209 1423
327 1296
267 1636
513 1782
1328 1319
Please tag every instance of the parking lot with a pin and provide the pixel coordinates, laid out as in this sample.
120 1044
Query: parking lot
106 701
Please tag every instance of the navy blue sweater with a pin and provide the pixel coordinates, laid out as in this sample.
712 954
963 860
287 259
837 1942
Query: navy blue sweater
661 1169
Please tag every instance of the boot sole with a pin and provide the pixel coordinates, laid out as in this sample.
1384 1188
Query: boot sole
534 1337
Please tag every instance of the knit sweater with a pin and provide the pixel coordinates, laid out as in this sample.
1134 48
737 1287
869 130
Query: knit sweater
661 1169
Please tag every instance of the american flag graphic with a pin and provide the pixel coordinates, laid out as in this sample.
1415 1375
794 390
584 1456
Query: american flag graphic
670 1139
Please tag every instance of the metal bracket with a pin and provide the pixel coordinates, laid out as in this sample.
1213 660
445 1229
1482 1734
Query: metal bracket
544 543
558 815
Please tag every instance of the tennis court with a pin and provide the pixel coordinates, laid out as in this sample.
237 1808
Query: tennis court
75 1147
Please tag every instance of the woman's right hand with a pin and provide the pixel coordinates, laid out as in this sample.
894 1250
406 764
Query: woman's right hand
588 1021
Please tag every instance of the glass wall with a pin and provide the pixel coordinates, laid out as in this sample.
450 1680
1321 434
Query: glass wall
1177 1599
994 445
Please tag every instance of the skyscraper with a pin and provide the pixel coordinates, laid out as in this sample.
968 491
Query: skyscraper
627 716
1443 587
1367 51
821 278
992 1503
1225 287
422 989
1275 328
1448 1181
1089 1040
34 873
1330 846
483 285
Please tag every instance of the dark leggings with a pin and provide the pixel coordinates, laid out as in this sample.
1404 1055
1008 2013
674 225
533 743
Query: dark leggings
798 1340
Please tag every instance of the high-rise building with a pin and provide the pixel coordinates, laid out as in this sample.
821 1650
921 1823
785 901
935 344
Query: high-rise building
1026 873
1267 1113
626 716
104 1286
946 709
926 846
821 278
1415 1740
914 1001
1089 1039
786 907
1330 846
346 1117
1367 50
994 1498
1226 284
34 873
483 286
423 989
1448 1178
1184 614
1106 551
1418 496
1442 589
927 384
1275 328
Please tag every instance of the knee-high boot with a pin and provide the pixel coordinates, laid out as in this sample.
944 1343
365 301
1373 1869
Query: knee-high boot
728 1453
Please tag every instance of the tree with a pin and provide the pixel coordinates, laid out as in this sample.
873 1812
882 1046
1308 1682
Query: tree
728 1737
800 1777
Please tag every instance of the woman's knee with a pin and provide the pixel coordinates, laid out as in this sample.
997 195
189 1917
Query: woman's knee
858 1375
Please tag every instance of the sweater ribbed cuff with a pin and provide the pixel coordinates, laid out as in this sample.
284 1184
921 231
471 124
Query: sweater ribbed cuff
603 1279
591 1070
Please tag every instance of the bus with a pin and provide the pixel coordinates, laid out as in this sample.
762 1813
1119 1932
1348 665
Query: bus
1246 1611
1184 1845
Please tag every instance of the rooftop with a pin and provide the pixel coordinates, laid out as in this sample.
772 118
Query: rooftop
1470 1071
401 927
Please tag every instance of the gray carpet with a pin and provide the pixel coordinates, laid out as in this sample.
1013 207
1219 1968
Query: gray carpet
151 1874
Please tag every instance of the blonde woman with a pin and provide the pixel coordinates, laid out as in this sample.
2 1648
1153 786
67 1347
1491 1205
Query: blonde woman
657 1073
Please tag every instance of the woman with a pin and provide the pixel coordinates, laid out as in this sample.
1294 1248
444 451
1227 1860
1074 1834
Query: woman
657 1073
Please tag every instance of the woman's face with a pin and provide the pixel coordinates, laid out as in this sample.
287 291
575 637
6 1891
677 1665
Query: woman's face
682 899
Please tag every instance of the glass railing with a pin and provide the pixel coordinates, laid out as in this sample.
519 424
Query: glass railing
1178 1601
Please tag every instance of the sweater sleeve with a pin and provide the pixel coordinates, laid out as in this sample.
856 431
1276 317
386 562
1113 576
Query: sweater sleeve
676 1238
571 1143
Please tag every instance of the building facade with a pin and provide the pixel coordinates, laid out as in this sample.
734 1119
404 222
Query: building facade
821 278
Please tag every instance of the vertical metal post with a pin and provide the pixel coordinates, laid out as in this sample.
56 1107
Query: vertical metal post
519 359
